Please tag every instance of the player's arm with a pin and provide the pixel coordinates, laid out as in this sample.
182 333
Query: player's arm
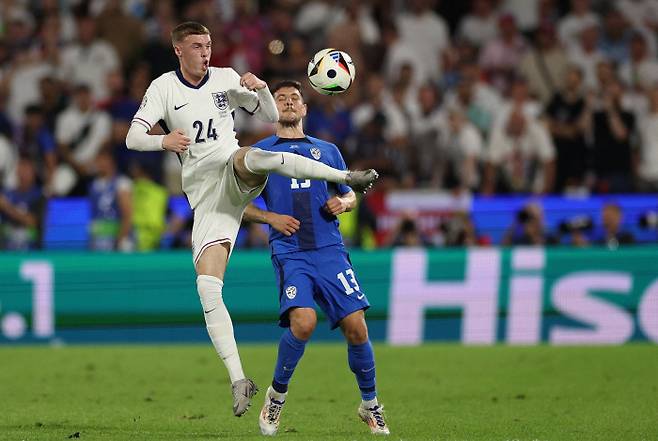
284 224
341 204
150 112
261 104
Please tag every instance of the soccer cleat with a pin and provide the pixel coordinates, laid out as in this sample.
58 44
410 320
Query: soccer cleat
268 419
361 180
374 418
242 391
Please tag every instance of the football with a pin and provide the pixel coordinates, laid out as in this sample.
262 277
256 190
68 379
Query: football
331 71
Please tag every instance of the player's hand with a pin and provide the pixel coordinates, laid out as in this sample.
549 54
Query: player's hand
286 225
336 206
176 141
252 82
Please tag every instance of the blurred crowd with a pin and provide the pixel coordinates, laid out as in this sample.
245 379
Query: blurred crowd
481 96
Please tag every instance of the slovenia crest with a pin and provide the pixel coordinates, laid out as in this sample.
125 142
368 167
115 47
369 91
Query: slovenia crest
291 292
221 100
316 153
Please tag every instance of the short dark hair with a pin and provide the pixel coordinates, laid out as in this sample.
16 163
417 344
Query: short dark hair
288 83
181 31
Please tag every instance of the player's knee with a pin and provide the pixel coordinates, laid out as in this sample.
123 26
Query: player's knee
210 292
357 334
250 174
302 323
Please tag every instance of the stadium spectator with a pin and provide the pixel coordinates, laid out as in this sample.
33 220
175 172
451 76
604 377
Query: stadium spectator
424 30
80 132
612 129
37 142
379 110
520 157
640 72
527 228
425 118
480 101
579 18
21 78
124 32
499 59
400 56
610 233
407 234
149 208
459 231
355 33
21 210
7 163
616 37
110 198
481 24
587 55
158 51
53 100
89 59
545 65
642 14
461 148
565 115
648 148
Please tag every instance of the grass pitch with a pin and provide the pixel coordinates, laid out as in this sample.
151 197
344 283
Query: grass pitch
432 392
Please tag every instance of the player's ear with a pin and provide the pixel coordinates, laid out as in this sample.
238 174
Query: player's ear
177 50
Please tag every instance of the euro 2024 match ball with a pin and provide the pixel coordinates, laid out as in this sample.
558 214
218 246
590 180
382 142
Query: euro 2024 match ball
331 71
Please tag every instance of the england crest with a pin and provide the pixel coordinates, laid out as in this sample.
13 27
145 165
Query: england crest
316 153
221 100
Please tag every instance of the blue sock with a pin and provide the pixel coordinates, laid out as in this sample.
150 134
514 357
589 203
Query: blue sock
362 363
291 350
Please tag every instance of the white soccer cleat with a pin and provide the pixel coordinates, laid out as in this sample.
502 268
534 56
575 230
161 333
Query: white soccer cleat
268 420
374 418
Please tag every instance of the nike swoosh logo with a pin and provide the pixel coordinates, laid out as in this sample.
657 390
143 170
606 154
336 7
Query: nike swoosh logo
208 312
360 297
180 107
367 370
282 158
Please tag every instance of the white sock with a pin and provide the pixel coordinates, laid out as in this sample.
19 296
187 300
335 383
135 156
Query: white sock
262 162
219 325
278 395
370 403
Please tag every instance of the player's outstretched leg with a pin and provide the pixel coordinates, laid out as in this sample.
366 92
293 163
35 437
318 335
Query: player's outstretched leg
261 162
361 359
291 350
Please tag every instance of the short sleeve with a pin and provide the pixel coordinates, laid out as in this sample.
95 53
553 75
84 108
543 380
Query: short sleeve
240 96
152 108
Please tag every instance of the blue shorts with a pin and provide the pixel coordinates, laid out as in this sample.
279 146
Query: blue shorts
322 276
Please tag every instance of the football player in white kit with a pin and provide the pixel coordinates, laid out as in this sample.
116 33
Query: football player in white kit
219 178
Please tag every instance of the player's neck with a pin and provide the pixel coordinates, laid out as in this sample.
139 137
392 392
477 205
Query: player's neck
190 78
290 132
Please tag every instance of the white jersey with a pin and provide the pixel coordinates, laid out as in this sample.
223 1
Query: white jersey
204 113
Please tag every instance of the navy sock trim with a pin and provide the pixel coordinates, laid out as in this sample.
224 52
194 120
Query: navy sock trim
279 387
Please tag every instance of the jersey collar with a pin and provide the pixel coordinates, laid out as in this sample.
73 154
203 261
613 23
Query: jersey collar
284 140
182 79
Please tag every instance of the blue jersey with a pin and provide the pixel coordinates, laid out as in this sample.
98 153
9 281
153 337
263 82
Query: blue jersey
304 199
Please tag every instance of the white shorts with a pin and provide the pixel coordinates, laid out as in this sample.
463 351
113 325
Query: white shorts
218 215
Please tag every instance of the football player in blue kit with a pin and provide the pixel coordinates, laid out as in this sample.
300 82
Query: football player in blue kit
311 262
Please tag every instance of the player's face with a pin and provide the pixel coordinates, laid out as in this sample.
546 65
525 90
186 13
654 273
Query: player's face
290 104
194 54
